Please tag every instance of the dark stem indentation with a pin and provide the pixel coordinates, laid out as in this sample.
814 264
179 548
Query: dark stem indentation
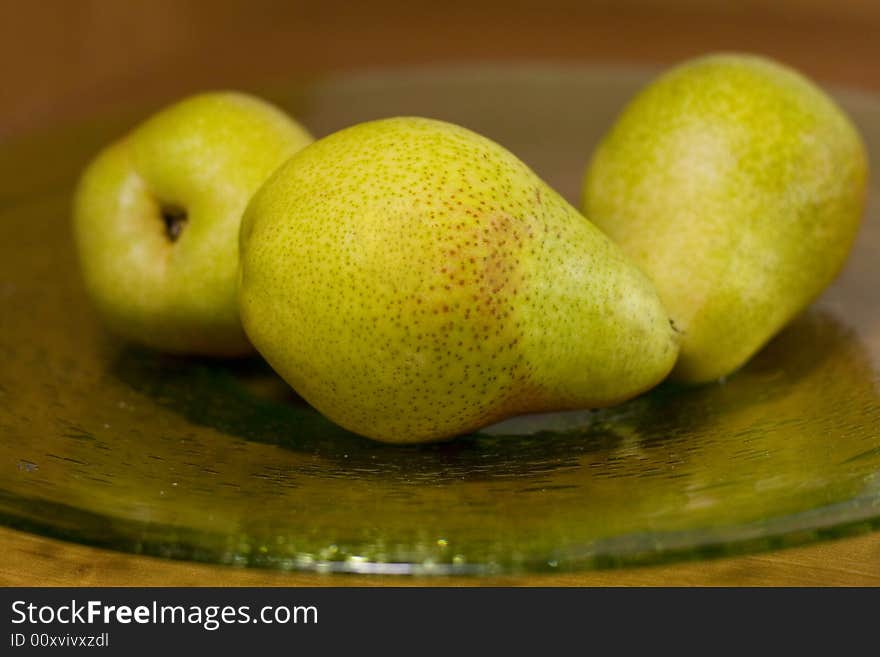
174 217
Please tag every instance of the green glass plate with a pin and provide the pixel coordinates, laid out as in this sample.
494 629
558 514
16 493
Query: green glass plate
109 445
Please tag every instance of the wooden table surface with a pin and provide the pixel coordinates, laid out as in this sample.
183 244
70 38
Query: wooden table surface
66 61
35 561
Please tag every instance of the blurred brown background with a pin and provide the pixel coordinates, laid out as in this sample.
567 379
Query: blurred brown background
65 59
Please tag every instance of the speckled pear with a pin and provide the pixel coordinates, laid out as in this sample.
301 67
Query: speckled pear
738 186
414 281
156 217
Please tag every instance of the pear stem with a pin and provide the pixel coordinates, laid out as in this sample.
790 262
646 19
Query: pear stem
174 217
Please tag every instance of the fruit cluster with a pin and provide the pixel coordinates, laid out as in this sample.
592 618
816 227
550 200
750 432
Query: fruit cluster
413 280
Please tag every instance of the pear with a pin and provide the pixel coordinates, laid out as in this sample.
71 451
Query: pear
737 185
156 218
414 281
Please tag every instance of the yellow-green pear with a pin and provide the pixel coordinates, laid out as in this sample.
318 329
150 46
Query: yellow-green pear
737 185
156 219
413 281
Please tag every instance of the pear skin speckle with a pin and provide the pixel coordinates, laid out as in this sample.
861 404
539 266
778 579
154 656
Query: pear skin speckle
414 281
738 186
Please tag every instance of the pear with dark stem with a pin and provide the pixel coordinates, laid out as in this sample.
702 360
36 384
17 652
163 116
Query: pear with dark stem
157 215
